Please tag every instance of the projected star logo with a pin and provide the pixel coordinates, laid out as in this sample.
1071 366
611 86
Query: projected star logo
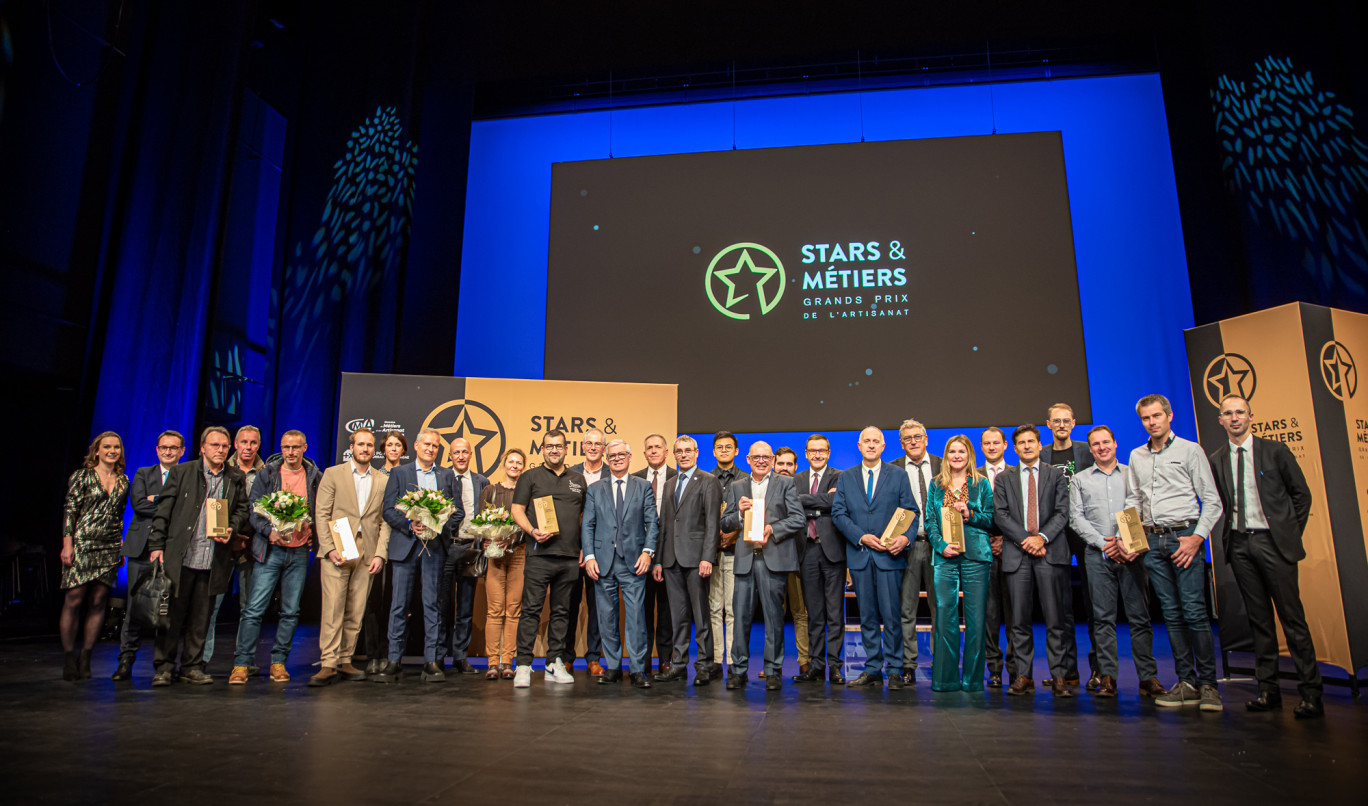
741 269
1229 374
1338 370
474 422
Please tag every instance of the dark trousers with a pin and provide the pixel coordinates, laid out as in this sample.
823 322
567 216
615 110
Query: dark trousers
768 586
544 578
1268 583
191 607
824 592
456 602
421 568
1078 547
688 596
879 595
1052 582
130 637
659 632
1106 578
374 639
1182 596
593 644
998 615
917 576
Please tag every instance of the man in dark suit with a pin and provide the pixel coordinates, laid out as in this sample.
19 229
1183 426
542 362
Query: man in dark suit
143 492
765 555
593 468
659 634
822 555
867 496
691 505
418 556
1031 506
921 467
1073 457
458 611
619 533
1266 501
198 565
993 443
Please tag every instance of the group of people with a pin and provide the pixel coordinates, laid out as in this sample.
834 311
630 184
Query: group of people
684 554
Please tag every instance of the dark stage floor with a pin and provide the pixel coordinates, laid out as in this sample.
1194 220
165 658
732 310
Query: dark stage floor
468 740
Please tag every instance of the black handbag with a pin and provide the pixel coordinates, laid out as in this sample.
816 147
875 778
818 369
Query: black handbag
149 603
473 563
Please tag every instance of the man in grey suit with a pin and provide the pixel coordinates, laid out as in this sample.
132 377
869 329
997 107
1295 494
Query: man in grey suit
921 468
619 534
690 507
147 485
1031 506
763 560
659 632
822 555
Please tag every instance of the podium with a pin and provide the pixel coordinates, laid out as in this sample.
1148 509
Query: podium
1297 366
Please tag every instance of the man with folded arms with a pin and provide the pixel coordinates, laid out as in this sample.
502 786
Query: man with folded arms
659 633
353 491
762 565
824 568
1099 492
620 531
1172 488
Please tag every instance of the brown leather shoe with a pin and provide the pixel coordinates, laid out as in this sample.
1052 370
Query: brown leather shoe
278 673
1020 686
1106 686
492 673
1152 687
803 668
595 669
350 672
506 671
238 677
1060 689
325 677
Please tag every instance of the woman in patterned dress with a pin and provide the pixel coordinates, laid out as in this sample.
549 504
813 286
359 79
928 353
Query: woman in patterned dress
92 539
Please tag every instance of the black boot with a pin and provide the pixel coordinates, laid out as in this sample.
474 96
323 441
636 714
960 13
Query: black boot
85 664
70 666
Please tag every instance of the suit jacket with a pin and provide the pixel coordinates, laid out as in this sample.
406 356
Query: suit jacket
901 461
267 482
1082 457
147 481
403 541
782 512
993 531
1283 495
689 533
337 499
600 532
1053 514
179 508
855 517
645 473
478 483
981 516
817 508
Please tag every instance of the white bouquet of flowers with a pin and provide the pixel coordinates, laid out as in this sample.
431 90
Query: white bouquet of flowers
494 524
428 507
285 510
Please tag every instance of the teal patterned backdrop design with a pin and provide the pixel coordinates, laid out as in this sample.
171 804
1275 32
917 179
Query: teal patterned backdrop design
1290 150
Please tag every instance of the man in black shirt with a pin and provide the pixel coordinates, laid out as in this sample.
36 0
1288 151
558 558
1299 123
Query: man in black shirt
552 559
723 580
1072 457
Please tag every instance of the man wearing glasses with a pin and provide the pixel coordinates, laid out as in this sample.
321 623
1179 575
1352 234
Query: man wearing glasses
921 468
723 585
824 566
765 555
690 507
593 469
1072 457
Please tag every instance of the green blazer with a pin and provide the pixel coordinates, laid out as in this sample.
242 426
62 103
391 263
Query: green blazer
976 543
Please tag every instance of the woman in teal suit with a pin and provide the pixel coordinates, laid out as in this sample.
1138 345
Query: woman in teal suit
960 487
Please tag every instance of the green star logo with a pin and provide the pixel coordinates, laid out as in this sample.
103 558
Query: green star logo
742 269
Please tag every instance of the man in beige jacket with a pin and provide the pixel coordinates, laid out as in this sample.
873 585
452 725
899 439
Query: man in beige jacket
353 491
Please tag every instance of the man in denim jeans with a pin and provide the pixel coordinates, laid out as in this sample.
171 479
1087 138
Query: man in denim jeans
1172 487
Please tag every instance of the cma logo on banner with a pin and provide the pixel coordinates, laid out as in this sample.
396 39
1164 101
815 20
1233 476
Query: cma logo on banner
748 279
474 422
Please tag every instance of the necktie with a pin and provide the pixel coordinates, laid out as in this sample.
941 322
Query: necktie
1032 513
1239 491
618 505
680 481
921 502
869 488
655 480
812 523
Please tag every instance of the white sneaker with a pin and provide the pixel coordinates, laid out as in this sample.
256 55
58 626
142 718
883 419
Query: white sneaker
522 677
557 673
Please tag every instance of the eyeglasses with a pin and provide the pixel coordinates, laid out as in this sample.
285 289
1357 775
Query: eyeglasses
1059 422
168 448
685 451
592 444
817 452
618 455
550 448
761 458
914 439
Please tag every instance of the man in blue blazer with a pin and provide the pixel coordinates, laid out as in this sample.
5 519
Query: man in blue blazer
867 496
458 613
411 558
619 535
762 567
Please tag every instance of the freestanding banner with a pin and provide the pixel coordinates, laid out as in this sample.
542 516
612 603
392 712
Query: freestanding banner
495 414
1295 364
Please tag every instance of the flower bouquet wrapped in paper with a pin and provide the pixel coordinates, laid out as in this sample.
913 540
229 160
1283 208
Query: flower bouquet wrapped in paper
285 510
427 507
494 524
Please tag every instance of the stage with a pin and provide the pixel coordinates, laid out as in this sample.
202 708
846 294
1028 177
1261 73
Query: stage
468 740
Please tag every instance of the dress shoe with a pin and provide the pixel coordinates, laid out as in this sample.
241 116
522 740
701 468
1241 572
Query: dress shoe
432 673
84 663
909 678
195 677
278 673
350 672
506 672
595 668
674 674
124 670
1310 708
238 676
761 675
1152 687
611 676
639 680
803 668
836 678
492 673
1266 701
699 679
995 680
807 676
325 677
1021 686
664 668
374 666
895 682
867 679
1106 686
774 682
463 666
390 672
715 673
1060 689
1094 682
1071 681
161 679
735 681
